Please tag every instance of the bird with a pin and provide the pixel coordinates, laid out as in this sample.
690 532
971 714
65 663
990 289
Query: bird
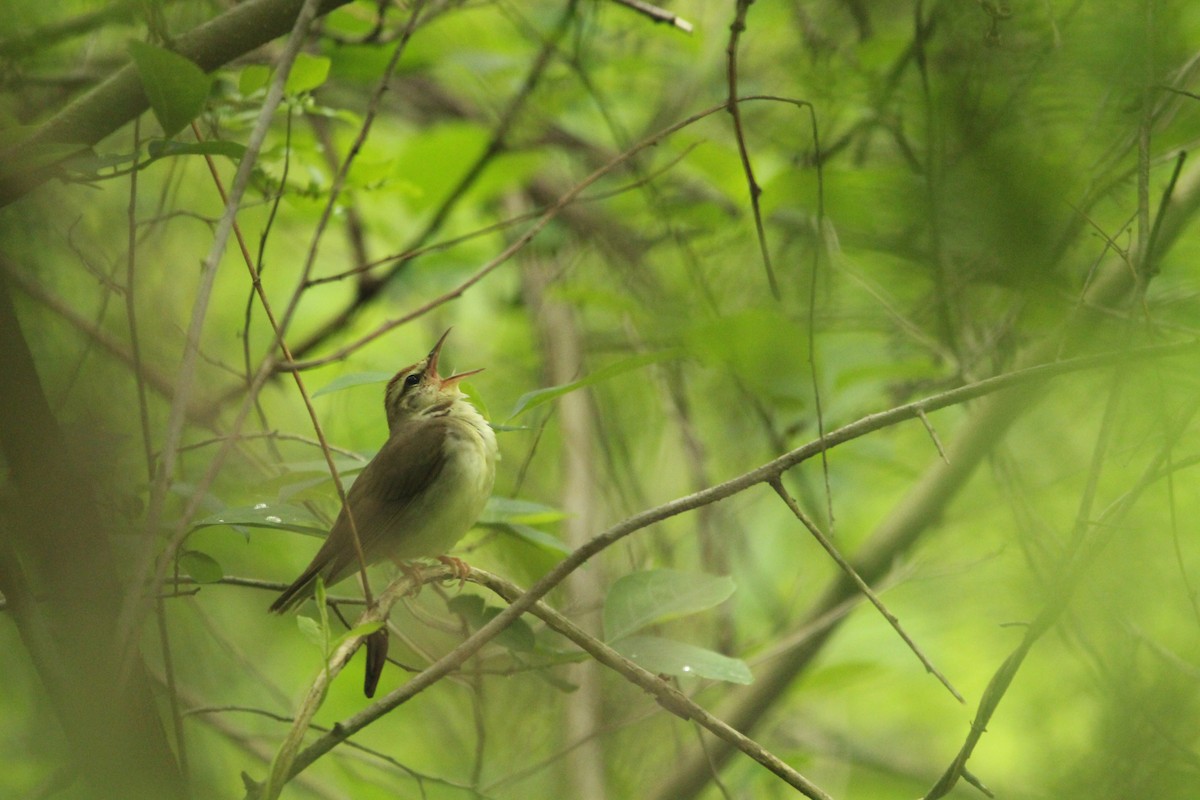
421 492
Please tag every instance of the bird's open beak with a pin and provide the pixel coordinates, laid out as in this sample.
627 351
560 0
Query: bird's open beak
454 379
431 368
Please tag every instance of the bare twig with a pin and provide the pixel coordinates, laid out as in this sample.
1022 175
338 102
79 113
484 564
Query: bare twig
863 586
732 105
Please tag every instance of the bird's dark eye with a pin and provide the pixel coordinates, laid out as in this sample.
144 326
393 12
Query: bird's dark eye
412 380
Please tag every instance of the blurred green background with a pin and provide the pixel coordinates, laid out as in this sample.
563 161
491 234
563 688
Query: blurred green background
991 187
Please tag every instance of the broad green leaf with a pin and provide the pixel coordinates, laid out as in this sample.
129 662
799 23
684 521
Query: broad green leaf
666 656
308 72
176 88
539 396
353 379
162 148
509 510
645 598
202 567
266 515
538 538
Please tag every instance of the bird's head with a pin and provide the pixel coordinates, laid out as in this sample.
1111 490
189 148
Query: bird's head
418 390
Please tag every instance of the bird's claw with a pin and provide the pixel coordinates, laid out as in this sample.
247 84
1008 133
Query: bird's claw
462 570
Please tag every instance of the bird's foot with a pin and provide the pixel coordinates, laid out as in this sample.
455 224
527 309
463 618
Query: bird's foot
412 573
462 570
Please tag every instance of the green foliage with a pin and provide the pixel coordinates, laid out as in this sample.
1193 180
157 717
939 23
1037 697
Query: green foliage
668 657
177 88
641 599
977 199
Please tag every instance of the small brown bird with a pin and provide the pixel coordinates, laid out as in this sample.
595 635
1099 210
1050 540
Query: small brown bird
421 492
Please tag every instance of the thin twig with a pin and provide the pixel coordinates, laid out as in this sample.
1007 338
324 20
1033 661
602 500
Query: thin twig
732 105
932 434
868 592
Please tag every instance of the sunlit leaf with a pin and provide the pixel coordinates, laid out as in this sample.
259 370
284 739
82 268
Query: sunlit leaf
358 630
307 73
510 510
680 659
253 78
645 598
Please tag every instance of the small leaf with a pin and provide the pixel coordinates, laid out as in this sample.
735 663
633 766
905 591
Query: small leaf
264 515
468 606
357 630
312 631
308 72
253 78
644 598
351 380
176 88
666 656
202 567
539 396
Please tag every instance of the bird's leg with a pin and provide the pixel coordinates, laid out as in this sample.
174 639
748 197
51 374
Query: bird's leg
462 570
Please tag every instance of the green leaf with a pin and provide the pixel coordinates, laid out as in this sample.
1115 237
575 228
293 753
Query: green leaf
253 78
162 148
357 630
532 535
353 379
666 656
539 396
176 88
201 567
266 515
507 510
645 598
308 72
312 631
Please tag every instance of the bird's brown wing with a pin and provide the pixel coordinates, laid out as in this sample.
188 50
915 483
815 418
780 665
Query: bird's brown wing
412 457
